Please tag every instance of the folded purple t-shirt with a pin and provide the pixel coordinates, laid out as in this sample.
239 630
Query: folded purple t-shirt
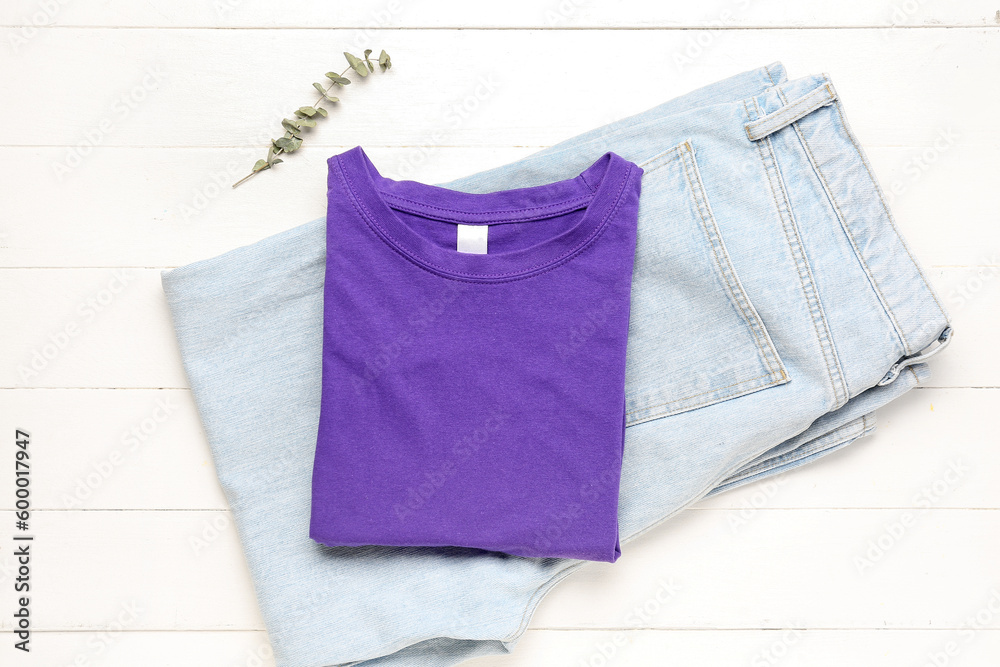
474 362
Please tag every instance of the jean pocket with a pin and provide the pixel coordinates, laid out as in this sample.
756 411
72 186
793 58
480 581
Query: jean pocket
694 336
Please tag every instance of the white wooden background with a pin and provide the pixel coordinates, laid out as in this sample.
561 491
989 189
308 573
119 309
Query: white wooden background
154 108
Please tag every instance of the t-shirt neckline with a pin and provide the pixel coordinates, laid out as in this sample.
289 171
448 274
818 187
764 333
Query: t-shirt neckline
598 189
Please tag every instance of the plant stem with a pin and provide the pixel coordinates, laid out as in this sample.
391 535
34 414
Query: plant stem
248 177
279 151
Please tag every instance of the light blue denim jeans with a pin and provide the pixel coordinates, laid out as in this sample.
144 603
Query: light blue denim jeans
771 296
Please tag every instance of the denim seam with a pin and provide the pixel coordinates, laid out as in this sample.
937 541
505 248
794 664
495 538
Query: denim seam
661 158
718 264
854 429
735 291
705 402
767 70
701 494
798 267
788 113
854 244
885 207
804 271
816 308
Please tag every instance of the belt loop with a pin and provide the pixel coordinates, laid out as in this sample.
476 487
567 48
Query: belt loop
921 356
791 112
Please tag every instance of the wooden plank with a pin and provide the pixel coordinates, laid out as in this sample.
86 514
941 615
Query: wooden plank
792 647
127 648
502 87
111 449
106 327
933 572
125 339
931 448
511 14
185 571
144 449
172 206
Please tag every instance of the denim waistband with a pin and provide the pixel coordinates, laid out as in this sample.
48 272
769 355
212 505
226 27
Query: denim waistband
850 185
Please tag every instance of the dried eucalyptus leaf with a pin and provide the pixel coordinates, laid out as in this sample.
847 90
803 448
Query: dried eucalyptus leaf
307 111
283 143
290 125
368 52
383 60
337 79
321 111
307 122
356 64
320 87
277 161
293 145
259 164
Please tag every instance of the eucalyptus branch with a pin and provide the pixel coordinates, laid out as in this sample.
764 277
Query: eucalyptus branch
305 117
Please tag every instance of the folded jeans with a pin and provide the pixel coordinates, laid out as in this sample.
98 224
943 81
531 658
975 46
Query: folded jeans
771 294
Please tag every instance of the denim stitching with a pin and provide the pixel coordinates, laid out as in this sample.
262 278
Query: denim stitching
722 258
718 263
844 225
767 70
854 244
710 391
826 338
885 207
774 198
798 109
734 290
810 293
661 157
852 430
